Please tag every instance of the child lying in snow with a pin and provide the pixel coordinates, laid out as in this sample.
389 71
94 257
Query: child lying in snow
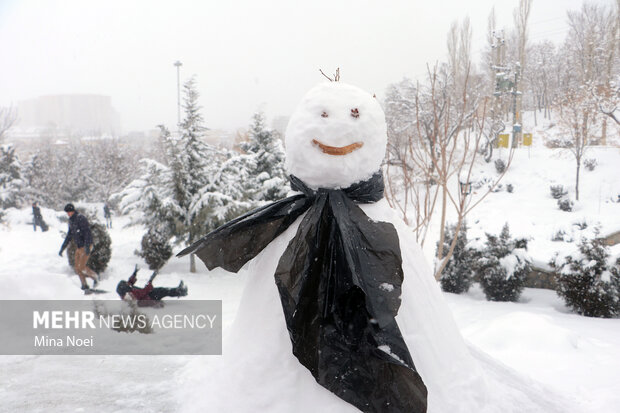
149 295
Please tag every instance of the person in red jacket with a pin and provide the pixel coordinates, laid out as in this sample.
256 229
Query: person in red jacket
148 295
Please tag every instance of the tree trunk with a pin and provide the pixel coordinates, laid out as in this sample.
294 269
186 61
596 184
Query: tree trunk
577 179
192 257
192 263
604 132
442 229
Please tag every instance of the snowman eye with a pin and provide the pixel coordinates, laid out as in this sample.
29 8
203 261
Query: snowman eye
355 113
324 114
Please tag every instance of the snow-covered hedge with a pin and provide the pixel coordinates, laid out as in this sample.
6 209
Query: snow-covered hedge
502 266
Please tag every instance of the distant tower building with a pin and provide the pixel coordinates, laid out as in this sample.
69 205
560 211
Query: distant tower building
81 114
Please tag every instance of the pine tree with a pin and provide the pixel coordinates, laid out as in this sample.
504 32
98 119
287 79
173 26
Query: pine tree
197 189
12 186
264 162
587 282
458 273
195 186
269 154
182 200
503 266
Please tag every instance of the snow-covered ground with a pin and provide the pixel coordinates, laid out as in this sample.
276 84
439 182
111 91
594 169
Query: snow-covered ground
530 210
578 357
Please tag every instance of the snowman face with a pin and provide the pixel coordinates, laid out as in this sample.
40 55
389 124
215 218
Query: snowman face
336 137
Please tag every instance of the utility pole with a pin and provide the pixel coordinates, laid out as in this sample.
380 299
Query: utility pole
178 64
516 113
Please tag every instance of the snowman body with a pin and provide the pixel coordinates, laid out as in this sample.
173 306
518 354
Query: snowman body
335 138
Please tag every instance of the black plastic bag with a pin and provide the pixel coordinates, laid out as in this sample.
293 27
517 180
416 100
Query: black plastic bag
340 283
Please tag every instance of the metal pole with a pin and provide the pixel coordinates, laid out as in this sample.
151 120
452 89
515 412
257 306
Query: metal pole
515 118
178 64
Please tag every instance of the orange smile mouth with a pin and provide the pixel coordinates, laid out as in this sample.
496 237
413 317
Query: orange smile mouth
338 150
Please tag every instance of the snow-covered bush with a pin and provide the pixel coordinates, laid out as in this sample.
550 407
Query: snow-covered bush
558 191
590 164
561 143
559 236
565 204
587 281
458 274
500 166
101 250
581 225
502 266
155 249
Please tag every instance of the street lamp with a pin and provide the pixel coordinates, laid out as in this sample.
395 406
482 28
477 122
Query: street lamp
178 64
464 184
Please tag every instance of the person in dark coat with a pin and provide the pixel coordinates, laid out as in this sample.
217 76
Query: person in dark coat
107 215
149 295
79 232
37 218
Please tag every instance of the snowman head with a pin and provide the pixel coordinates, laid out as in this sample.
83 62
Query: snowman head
336 136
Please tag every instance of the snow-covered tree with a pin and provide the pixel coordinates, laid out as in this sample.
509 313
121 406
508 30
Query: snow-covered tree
79 171
265 162
186 197
111 167
400 111
8 116
12 185
195 167
578 116
459 53
502 266
592 52
458 274
149 199
588 281
539 77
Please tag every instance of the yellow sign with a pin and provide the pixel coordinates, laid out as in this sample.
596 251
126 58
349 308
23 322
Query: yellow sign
527 139
502 142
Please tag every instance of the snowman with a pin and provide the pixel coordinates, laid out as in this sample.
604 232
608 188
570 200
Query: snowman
341 312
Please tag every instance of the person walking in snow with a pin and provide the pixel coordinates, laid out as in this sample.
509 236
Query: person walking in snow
79 232
149 295
107 215
37 218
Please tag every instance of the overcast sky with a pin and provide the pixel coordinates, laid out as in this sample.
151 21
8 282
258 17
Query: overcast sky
246 54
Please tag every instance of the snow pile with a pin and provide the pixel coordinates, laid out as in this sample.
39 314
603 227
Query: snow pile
515 262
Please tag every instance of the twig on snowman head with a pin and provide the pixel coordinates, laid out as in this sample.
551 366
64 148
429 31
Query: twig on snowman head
336 76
